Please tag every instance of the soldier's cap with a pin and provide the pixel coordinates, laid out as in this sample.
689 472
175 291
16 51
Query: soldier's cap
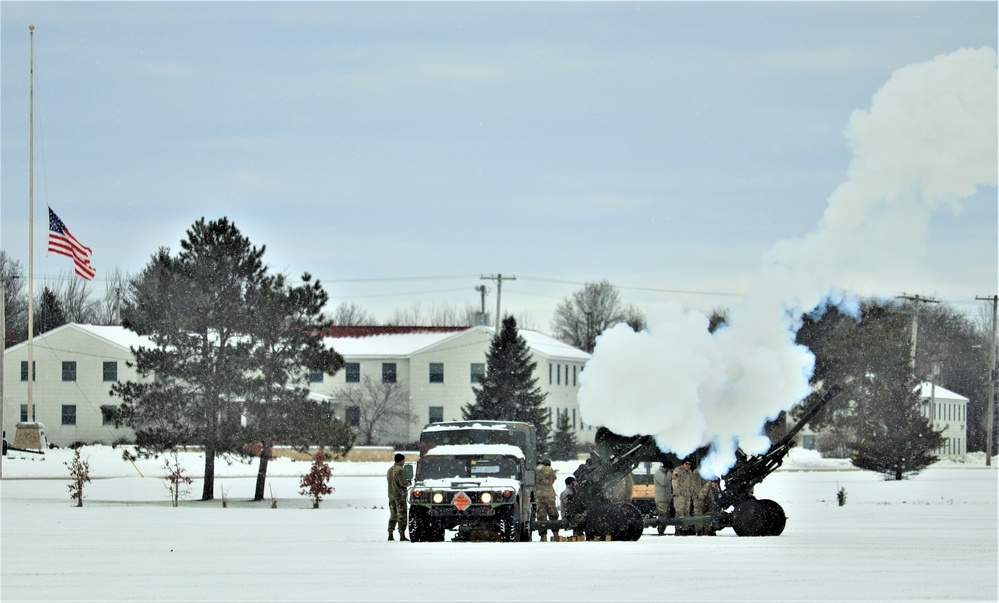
569 480
546 462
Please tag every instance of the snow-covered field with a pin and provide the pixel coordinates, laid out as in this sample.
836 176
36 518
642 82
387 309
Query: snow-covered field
932 537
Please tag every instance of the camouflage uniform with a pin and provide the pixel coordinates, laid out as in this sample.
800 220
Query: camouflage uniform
663 482
397 490
685 488
705 504
545 496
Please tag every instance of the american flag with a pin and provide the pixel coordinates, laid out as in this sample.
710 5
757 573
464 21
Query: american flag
63 243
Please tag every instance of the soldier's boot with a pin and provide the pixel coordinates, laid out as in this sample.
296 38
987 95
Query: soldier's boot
661 530
544 536
390 536
391 528
402 536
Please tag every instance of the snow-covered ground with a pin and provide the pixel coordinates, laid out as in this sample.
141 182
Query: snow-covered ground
932 537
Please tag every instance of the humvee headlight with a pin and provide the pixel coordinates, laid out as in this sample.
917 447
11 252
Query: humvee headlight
487 497
438 497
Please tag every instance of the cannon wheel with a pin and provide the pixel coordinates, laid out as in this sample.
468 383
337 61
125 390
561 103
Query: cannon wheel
762 517
633 520
610 519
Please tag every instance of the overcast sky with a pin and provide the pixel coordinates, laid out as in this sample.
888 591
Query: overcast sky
400 151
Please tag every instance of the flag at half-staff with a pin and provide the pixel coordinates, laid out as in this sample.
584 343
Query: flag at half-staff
63 243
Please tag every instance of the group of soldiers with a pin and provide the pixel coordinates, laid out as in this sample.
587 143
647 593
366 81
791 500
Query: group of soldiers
690 495
683 488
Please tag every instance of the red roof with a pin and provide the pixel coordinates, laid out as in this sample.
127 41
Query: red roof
369 331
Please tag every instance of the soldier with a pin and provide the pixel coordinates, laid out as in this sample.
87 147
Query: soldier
663 482
706 503
397 488
545 495
685 487
565 498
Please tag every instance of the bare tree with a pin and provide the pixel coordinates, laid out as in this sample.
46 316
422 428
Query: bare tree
352 315
439 315
107 310
596 307
377 405
15 300
74 298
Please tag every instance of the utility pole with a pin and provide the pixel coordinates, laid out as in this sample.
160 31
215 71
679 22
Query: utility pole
499 278
915 321
992 381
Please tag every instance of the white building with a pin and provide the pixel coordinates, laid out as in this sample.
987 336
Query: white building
75 366
948 411
439 367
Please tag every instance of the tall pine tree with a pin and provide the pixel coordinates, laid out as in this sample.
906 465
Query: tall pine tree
564 440
196 307
288 344
509 391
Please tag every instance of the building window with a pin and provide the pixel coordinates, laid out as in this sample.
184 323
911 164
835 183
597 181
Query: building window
353 372
388 372
315 376
107 414
436 414
574 375
478 372
352 415
558 374
110 372
573 419
69 372
69 414
437 372
549 415
24 370
808 442
549 374
24 413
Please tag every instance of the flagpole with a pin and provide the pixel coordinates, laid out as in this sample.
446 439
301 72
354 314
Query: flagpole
31 229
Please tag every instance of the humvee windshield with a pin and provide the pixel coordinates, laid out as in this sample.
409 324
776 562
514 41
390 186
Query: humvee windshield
467 466
475 436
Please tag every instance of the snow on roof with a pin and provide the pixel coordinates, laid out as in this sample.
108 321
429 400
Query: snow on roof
927 390
117 335
450 426
461 449
552 347
395 344
407 344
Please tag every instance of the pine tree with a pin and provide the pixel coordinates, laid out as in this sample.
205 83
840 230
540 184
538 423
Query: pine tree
564 440
50 313
509 391
288 344
196 308
891 435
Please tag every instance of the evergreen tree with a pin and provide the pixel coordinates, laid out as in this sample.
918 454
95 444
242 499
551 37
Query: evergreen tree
50 313
509 391
288 344
196 307
564 442
891 435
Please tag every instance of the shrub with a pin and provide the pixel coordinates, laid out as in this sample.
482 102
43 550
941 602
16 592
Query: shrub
315 483
79 471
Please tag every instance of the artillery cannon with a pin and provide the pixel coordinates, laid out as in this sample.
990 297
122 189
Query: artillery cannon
590 511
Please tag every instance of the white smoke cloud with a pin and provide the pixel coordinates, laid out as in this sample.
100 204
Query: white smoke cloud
927 141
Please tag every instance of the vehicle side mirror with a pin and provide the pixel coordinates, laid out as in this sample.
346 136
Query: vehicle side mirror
408 471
